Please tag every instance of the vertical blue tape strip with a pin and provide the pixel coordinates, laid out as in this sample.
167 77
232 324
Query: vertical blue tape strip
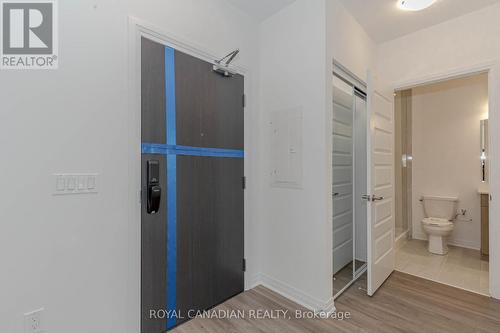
170 96
171 239
171 186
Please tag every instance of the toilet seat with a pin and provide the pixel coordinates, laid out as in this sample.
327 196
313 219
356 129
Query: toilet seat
437 222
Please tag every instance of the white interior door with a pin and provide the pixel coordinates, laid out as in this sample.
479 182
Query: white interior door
381 224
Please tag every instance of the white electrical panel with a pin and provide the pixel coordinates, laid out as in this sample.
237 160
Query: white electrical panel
75 183
286 148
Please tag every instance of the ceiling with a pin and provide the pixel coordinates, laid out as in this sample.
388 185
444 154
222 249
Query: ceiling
383 21
261 9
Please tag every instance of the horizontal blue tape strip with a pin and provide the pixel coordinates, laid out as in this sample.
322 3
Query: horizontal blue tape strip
161 149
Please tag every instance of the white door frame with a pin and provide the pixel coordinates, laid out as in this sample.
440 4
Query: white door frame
493 70
138 28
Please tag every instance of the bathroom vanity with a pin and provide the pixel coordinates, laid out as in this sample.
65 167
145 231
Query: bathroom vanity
485 220
484 190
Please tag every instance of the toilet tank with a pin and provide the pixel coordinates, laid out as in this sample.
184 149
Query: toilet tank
440 207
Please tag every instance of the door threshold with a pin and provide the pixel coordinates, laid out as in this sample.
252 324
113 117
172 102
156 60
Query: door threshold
446 284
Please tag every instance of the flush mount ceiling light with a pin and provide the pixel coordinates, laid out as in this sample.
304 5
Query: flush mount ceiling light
415 5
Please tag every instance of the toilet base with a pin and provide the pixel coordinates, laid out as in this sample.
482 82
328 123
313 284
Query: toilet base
437 245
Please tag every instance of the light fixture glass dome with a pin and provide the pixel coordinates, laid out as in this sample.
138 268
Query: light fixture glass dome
415 5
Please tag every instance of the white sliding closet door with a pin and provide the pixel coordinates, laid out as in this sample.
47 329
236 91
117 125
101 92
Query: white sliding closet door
343 104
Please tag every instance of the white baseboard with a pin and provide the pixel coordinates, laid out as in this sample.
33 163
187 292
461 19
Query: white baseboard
464 243
329 308
293 294
401 240
253 281
455 242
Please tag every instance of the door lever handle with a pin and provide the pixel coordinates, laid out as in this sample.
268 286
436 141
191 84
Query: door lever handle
154 198
371 197
154 189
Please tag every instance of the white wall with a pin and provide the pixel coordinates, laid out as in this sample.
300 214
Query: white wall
446 151
466 41
454 46
77 256
297 48
348 41
294 239
349 44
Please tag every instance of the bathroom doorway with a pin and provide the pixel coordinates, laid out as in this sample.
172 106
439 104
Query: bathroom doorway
442 175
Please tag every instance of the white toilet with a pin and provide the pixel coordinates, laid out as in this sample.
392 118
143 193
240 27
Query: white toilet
438 222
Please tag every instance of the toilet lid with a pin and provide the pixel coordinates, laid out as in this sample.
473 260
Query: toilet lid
436 221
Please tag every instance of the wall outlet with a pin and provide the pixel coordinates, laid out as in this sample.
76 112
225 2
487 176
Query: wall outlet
33 321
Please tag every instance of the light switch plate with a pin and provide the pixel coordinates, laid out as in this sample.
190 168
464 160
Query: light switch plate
60 183
82 183
75 183
70 183
91 182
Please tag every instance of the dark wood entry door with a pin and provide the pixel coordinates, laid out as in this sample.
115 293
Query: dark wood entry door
192 128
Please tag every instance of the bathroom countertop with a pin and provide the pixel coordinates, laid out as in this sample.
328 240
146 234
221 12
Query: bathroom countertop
484 189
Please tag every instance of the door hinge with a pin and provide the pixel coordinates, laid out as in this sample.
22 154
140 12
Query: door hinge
244 265
244 100
244 182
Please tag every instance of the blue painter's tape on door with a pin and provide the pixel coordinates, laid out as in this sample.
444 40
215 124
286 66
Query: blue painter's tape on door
170 96
171 186
171 238
160 149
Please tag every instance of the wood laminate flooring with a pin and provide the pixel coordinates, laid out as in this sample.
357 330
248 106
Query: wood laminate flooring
345 276
405 303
